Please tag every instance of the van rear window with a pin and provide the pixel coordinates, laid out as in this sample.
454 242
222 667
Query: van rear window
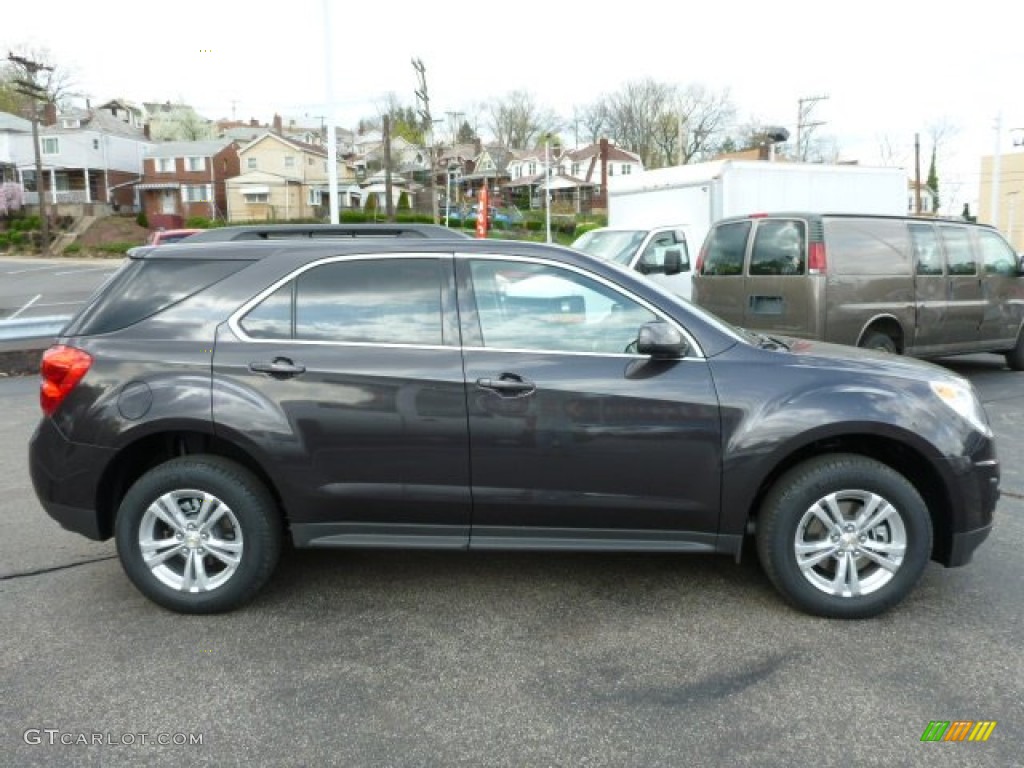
727 246
867 247
143 287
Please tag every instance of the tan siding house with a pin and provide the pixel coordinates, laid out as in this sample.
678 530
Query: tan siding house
281 179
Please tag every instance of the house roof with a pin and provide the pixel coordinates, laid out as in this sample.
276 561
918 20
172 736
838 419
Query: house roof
9 122
95 120
594 150
302 146
189 148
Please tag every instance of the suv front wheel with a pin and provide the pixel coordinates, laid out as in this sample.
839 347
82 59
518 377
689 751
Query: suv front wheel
198 534
844 536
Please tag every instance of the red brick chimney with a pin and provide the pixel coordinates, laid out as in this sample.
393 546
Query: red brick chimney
49 113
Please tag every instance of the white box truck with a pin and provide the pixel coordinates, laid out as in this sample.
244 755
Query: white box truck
688 199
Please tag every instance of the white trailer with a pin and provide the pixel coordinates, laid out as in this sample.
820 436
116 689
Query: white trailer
702 193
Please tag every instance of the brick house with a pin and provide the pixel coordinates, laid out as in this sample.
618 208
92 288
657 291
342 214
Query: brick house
182 179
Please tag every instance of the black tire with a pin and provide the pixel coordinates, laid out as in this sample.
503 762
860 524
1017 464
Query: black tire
1015 357
819 587
195 568
880 341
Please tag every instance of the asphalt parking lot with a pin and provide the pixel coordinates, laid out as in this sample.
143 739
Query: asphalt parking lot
442 659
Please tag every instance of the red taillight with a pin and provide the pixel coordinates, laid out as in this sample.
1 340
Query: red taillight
62 368
700 259
816 258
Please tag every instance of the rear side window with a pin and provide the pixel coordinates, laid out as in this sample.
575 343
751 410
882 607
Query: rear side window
385 301
867 247
779 248
927 253
998 255
959 256
727 245
144 287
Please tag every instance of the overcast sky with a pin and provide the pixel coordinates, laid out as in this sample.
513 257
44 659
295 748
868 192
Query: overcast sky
889 68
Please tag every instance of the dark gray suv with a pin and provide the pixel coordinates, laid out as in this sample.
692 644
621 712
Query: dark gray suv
215 399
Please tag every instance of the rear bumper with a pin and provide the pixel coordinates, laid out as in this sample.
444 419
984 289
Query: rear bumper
66 477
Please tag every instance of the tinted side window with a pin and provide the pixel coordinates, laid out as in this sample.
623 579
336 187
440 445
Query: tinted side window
386 301
272 318
727 245
927 253
541 307
997 254
143 287
389 301
959 257
779 248
867 246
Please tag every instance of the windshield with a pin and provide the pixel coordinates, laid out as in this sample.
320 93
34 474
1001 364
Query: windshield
617 245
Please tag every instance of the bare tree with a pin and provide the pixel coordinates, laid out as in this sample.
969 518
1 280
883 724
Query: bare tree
594 119
707 115
55 81
890 153
517 121
181 123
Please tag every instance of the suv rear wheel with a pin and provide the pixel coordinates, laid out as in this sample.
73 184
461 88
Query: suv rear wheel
198 534
844 536
880 341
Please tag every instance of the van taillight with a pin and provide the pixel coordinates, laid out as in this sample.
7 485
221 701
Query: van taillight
816 258
61 369
703 252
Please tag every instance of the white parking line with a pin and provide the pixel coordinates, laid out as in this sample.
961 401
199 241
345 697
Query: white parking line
31 269
86 269
26 306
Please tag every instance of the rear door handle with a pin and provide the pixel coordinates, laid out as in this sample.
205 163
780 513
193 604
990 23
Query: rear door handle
508 385
279 367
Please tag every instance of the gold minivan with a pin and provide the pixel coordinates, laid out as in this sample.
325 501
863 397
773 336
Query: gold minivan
909 285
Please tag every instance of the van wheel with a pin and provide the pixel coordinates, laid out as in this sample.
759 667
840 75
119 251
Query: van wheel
844 536
1015 357
198 534
880 341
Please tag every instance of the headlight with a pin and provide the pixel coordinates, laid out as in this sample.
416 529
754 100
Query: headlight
961 398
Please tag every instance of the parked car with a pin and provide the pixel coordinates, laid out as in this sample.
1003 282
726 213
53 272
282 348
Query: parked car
168 236
914 286
214 399
495 215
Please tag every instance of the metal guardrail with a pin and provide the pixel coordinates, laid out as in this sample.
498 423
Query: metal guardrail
31 328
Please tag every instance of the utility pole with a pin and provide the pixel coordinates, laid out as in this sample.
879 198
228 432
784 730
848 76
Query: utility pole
428 122
28 86
453 125
917 174
996 157
804 127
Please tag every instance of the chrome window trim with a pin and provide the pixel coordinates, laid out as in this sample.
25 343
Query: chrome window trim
234 321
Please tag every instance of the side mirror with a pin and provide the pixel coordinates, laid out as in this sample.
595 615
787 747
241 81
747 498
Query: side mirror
661 340
673 261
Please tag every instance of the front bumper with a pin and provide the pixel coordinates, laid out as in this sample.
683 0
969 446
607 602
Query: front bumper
66 477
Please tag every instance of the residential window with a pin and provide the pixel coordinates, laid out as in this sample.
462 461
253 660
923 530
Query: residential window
310 162
626 169
50 145
531 169
165 165
575 169
195 163
63 184
70 123
611 169
315 196
250 163
252 198
95 143
196 193
289 161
